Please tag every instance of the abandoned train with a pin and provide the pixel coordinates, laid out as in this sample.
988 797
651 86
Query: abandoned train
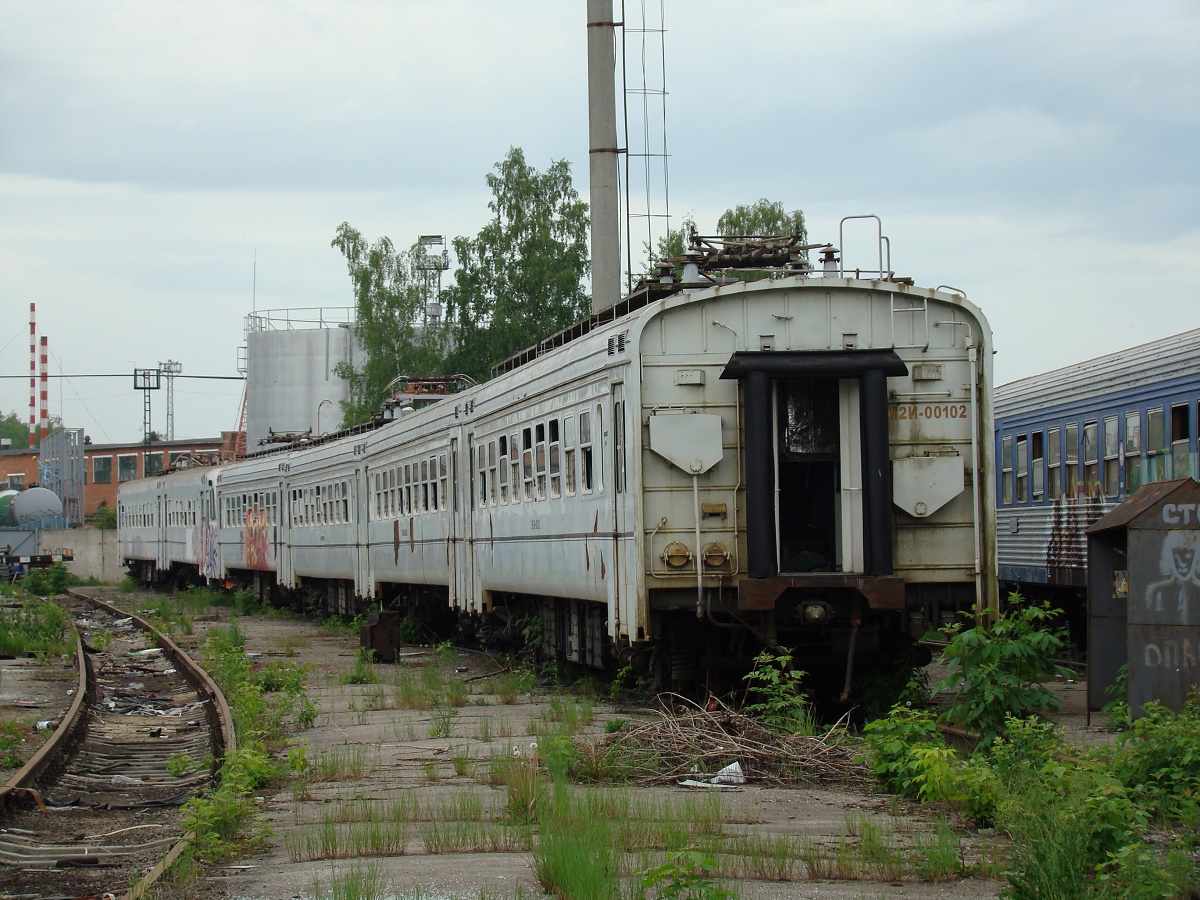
709 468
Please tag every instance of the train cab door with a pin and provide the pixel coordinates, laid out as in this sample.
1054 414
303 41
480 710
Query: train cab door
818 473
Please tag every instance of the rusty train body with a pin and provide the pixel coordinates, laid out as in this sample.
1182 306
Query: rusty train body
704 470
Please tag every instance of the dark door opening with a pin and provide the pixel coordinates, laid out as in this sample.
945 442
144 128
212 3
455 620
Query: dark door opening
808 474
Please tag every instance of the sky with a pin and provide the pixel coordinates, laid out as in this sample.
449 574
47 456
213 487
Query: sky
168 167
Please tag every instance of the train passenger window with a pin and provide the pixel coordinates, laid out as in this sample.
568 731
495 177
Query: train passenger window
482 470
1133 451
423 503
569 453
491 449
1006 468
1112 451
1156 445
1180 441
1037 454
1022 469
555 461
503 470
434 484
1071 448
539 458
442 480
1091 465
585 451
514 458
345 501
527 462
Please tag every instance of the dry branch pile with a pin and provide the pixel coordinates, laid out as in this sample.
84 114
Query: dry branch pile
692 742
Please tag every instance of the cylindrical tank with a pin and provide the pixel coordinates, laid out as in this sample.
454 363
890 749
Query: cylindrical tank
24 507
291 383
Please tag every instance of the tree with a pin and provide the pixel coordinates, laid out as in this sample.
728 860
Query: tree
521 278
763 217
391 290
14 429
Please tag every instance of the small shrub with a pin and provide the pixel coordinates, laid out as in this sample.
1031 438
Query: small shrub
364 670
11 737
781 703
685 875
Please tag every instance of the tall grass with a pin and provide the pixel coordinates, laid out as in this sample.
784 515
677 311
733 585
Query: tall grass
36 626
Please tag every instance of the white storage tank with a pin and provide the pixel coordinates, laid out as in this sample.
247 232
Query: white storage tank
292 386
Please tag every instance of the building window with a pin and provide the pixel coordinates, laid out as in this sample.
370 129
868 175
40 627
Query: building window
152 464
16 481
1071 451
101 470
1054 462
1112 453
1037 464
1006 467
127 467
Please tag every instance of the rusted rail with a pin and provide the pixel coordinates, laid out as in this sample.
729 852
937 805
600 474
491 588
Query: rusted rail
96 809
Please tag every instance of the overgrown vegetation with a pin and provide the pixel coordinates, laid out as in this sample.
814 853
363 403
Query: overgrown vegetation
48 582
35 626
1118 821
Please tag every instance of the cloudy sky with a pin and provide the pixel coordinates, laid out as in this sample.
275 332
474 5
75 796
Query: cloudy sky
1041 156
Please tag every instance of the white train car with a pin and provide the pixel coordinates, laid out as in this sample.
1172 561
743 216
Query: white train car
707 469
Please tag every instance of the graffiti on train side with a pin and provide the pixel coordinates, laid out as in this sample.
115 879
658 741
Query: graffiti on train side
205 546
256 546
1067 546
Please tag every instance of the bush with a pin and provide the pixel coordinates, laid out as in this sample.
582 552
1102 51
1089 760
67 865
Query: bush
48 582
779 700
1159 758
997 671
37 626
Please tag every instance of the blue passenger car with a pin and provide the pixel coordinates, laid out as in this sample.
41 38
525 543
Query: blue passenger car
1073 443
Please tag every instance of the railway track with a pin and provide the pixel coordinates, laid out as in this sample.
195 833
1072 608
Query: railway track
97 809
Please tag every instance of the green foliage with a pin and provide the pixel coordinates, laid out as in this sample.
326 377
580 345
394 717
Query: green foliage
761 218
780 702
1159 758
180 764
997 671
363 671
36 626
48 582
104 518
227 821
11 737
684 875
520 279
890 742
15 430
391 290
1117 707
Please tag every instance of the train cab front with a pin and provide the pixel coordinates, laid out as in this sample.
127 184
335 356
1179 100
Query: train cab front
818 499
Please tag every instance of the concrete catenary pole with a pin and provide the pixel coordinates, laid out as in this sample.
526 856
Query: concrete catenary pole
602 128
32 374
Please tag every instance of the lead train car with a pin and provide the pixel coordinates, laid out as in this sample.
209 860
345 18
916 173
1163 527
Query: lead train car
804 461
1075 442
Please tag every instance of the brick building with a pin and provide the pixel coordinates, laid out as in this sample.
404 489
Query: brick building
108 465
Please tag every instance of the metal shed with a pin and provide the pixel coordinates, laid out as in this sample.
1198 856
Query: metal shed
1144 596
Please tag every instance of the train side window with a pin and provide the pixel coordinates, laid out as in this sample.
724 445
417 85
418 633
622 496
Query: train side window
569 454
514 461
539 458
481 471
1112 452
346 502
1006 468
491 450
408 491
1022 468
1180 441
377 496
1037 463
555 460
1071 448
443 494
1091 464
527 462
423 505
1133 451
1156 445
585 451
502 472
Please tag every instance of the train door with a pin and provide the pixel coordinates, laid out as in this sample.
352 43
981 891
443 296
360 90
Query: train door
818 476
283 531
460 545
160 528
621 503
209 533
360 504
